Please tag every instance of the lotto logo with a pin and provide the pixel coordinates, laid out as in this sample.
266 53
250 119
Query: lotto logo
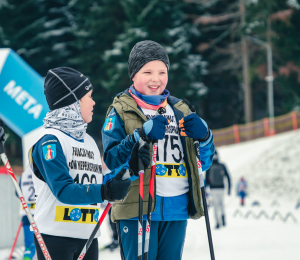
140 232
76 215
125 229
171 170
199 165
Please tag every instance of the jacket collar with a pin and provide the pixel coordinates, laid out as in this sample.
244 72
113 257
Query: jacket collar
171 100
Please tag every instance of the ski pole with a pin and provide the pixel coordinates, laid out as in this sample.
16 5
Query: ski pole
126 176
160 111
15 241
20 194
90 240
199 167
141 190
202 188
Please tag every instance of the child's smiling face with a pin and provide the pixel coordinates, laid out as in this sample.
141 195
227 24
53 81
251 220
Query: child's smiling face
152 78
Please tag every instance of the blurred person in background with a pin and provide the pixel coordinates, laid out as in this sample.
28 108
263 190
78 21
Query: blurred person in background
241 189
26 185
214 178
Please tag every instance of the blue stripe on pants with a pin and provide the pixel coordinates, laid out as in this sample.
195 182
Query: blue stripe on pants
166 239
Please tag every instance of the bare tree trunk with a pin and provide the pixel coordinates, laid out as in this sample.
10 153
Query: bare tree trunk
246 81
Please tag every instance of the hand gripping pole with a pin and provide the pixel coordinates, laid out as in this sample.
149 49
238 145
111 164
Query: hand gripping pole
160 111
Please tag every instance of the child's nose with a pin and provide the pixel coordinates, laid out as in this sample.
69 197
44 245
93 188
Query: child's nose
155 77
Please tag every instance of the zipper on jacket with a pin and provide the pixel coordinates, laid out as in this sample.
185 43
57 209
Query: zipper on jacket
161 208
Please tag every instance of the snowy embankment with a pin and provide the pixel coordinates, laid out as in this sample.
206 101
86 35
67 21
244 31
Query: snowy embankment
270 165
272 168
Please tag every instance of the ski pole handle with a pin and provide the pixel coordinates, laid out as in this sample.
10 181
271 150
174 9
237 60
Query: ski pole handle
23 202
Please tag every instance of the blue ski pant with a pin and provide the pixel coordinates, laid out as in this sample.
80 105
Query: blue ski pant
28 235
166 239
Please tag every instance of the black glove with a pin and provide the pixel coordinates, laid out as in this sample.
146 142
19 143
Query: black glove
143 153
115 188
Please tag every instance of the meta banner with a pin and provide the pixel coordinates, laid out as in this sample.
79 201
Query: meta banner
22 101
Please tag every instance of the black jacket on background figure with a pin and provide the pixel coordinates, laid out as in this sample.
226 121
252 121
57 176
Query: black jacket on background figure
215 176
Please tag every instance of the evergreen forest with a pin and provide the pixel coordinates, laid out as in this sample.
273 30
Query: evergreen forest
204 40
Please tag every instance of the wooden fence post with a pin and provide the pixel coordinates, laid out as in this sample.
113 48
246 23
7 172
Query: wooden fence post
266 126
236 133
294 119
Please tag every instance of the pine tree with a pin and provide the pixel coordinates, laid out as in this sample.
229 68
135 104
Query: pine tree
57 35
40 31
219 23
164 22
278 24
97 27
219 26
105 39
20 23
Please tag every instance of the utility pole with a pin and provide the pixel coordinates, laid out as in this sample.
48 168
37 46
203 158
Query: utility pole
269 79
246 80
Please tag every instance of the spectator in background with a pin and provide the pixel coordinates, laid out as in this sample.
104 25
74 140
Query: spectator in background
215 180
241 189
27 188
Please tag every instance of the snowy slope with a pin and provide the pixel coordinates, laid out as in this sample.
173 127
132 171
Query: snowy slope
270 165
272 168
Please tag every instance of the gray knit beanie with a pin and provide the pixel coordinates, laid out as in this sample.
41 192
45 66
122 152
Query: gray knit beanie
144 52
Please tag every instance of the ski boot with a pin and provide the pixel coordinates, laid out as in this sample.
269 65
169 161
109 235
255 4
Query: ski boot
112 246
29 253
223 220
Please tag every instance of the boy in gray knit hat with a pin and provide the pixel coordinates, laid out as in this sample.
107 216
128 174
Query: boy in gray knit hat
144 52
176 194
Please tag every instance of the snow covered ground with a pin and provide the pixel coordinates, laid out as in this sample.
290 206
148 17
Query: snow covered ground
272 168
